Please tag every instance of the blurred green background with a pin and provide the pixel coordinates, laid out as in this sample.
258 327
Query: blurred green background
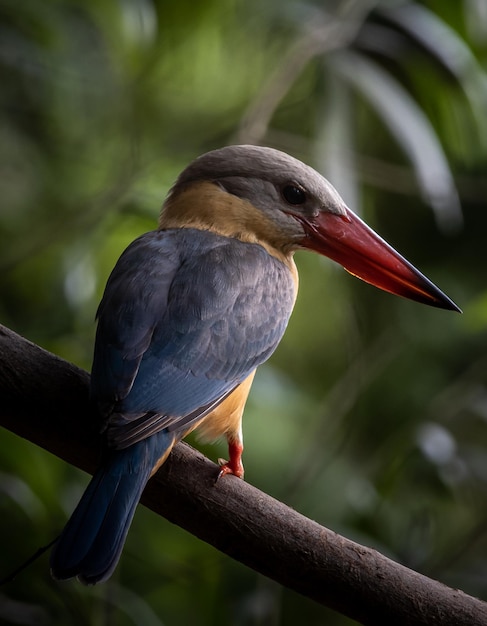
371 417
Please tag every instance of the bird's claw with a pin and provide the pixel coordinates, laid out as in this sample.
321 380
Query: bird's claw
227 467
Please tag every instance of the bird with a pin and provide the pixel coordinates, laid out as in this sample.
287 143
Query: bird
190 311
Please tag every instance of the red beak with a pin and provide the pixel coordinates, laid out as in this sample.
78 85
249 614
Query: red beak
346 239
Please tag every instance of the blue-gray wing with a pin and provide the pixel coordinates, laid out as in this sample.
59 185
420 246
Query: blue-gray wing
186 316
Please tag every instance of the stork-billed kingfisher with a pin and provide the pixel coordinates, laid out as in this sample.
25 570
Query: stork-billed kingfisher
189 312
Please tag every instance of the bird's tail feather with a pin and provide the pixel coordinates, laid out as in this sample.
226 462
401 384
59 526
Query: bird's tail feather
91 543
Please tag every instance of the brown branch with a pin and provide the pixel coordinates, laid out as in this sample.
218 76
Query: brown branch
45 400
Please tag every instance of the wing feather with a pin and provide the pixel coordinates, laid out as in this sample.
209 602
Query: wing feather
187 315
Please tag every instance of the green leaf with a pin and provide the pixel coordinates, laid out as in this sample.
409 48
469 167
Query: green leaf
413 131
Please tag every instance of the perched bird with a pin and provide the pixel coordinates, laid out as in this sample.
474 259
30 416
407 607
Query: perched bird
189 312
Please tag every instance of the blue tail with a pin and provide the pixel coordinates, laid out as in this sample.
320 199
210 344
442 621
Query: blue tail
91 543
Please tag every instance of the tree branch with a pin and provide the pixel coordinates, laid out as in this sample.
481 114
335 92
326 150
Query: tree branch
45 400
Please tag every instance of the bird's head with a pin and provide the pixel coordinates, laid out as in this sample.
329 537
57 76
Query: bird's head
262 194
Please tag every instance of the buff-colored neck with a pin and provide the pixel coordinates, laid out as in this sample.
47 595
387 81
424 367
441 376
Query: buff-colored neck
205 206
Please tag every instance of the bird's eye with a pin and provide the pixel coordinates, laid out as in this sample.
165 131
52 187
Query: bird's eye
294 195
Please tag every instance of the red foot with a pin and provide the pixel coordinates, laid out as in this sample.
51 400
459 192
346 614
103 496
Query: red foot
234 465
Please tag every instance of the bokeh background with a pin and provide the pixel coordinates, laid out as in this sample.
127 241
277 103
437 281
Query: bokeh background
371 417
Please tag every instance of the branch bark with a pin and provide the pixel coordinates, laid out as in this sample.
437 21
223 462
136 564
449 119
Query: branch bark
45 400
